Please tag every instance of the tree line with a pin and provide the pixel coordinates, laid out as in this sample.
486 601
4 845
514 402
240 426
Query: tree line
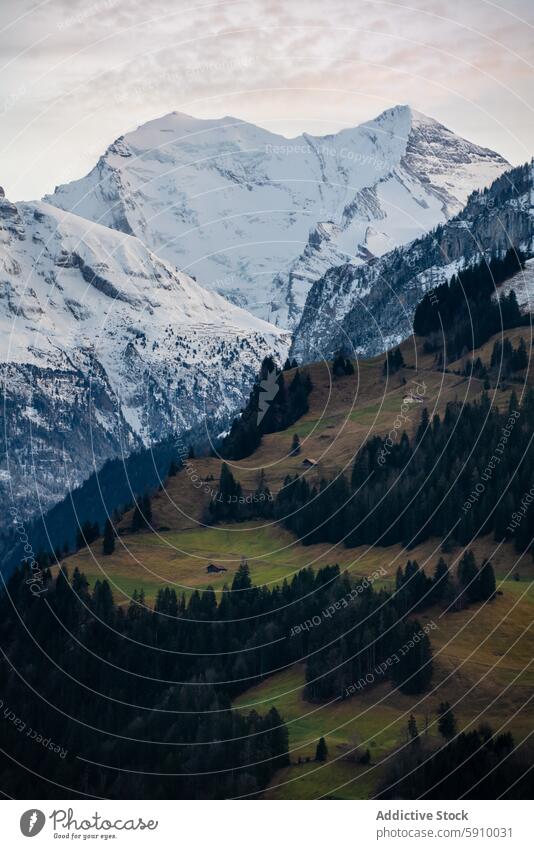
271 407
505 362
474 764
117 691
449 480
88 670
459 316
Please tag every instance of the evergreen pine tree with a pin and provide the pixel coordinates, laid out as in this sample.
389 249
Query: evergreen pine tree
87 534
446 721
147 510
413 732
295 445
225 505
80 584
321 752
102 601
513 404
108 545
520 357
496 354
440 581
487 581
413 673
242 578
423 428
469 577
142 515
137 519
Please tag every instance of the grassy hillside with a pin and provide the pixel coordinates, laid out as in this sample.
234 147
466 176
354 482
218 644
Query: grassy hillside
483 668
480 652
343 413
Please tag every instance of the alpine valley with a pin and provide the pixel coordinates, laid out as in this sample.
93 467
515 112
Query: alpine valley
109 342
333 599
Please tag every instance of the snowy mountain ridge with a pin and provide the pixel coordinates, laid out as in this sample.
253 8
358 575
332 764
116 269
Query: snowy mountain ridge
258 217
368 309
105 348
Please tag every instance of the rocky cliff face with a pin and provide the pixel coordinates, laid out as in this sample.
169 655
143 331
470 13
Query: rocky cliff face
368 309
106 348
59 426
259 218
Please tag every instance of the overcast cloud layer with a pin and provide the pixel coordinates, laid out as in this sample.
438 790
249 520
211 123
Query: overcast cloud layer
74 75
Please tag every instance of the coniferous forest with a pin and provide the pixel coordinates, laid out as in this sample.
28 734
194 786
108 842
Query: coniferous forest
271 407
345 631
459 316
157 684
367 508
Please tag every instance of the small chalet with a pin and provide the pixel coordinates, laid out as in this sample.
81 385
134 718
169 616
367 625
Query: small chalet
309 462
212 568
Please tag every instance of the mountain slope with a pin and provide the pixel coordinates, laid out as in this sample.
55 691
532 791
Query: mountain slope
106 348
259 217
467 670
370 308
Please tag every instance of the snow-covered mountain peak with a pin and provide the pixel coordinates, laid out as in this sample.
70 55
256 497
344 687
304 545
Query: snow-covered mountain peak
234 204
399 116
400 121
419 119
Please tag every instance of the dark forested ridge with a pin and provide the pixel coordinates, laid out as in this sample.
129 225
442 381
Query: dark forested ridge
169 673
107 686
271 407
461 315
475 764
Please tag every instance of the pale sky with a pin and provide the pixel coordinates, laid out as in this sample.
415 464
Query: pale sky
75 74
